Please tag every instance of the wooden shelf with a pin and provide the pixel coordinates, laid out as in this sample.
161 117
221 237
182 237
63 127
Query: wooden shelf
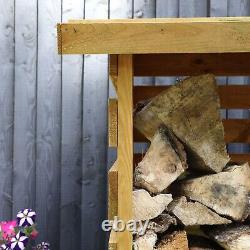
172 35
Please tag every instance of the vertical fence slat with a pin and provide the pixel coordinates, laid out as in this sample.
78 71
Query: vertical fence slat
48 123
72 67
144 9
6 106
193 8
166 8
24 185
94 191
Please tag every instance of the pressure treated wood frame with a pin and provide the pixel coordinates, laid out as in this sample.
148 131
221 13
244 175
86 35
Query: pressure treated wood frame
160 47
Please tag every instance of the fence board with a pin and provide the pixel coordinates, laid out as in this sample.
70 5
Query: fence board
24 181
94 189
48 124
144 9
72 71
6 106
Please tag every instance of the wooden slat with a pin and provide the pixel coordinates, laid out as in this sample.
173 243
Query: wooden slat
231 96
112 126
236 130
197 35
191 64
25 106
113 191
7 54
48 161
238 158
125 145
113 69
113 245
95 141
71 148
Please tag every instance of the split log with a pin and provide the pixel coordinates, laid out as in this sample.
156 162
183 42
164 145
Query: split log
226 192
145 242
174 241
233 237
159 224
191 109
163 163
194 213
146 207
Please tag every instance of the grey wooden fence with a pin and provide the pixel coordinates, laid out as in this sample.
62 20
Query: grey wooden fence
53 112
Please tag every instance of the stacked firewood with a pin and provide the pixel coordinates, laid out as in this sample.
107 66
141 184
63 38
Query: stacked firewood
185 185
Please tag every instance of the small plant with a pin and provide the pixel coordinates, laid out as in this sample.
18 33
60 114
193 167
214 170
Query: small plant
19 234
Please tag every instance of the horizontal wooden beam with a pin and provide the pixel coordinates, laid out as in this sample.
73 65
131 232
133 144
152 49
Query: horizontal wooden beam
236 130
231 96
196 35
220 64
238 158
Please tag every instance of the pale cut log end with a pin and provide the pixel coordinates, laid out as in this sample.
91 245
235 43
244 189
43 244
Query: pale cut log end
226 193
146 207
163 163
194 213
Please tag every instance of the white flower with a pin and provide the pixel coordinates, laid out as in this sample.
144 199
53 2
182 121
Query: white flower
19 242
26 217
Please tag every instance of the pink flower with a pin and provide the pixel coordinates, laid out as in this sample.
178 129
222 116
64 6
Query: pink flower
34 234
8 229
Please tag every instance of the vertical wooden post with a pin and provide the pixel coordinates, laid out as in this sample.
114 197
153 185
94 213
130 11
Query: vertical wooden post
125 145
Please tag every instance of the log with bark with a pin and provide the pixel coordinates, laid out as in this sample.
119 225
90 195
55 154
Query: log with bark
233 237
226 192
194 213
175 241
146 207
191 109
163 163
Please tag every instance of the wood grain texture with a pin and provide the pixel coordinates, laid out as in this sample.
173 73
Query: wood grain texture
219 64
144 9
113 69
166 8
6 106
236 130
238 158
125 145
24 180
95 140
113 191
231 96
113 241
113 123
156 36
71 151
48 159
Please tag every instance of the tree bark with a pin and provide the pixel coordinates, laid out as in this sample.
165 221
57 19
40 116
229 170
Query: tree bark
233 237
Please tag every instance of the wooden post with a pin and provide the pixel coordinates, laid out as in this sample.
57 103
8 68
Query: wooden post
125 145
